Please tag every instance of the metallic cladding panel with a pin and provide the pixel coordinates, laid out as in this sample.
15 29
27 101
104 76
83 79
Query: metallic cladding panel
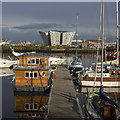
54 38
67 38
44 36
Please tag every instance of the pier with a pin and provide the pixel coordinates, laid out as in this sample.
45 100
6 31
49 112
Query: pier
62 102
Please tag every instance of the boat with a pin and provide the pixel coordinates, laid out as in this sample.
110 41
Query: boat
76 66
108 62
33 73
6 72
56 61
110 56
16 54
5 63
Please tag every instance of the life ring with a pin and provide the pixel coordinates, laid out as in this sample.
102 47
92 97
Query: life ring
42 74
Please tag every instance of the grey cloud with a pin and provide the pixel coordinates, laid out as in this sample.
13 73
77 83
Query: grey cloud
20 36
44 26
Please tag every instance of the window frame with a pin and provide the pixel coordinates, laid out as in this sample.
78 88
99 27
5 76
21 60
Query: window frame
28 75
38 60
33 75
31 104
30 59
28 105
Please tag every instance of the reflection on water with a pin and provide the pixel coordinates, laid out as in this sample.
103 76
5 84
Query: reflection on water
31 105
22 104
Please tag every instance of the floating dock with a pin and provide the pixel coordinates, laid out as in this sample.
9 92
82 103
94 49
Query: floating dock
62 103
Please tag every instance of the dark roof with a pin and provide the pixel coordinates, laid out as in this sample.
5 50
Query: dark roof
28 68
36 54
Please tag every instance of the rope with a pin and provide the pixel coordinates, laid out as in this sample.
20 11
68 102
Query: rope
97 50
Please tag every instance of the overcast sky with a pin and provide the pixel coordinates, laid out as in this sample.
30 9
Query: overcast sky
22 20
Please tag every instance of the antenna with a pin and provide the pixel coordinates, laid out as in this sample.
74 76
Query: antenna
102 42
76 35
117 33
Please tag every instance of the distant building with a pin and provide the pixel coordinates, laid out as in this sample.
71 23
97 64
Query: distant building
91 43
55 38
45 37
79 43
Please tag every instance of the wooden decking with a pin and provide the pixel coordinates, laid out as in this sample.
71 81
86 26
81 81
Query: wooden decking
63 102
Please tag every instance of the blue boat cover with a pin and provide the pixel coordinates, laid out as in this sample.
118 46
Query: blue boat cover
104 97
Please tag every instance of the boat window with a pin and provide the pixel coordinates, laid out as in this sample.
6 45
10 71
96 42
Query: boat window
29 115
37 61
35 75
31 75
37 114
31 106
27 74
33 115
29 61
35 106
27 106
33 61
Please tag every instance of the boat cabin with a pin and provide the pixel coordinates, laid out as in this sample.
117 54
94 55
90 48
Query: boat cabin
38 59
32 79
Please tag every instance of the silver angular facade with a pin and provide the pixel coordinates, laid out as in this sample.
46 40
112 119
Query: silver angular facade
56 38
67 38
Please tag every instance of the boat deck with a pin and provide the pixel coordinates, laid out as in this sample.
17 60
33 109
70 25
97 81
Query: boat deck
63 102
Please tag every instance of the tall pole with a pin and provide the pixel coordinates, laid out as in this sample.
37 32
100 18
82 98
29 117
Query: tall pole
98 44
102 42
117 33
76 35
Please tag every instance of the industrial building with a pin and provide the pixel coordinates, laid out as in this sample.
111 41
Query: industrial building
55 38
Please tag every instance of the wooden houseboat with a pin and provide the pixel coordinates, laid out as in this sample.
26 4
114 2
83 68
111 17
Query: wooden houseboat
33 73
31 106
32 79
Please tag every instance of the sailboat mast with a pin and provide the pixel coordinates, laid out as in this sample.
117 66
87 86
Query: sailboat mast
76 35
117 33
102 42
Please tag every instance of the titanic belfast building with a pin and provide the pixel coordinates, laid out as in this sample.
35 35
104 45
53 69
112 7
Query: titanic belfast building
56 38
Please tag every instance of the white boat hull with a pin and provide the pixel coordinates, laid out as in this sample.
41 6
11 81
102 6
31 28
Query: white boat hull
96 90
7 64
56 61
107 62
6 72
97 83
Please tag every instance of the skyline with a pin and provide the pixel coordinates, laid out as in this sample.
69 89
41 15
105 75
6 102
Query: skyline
22 21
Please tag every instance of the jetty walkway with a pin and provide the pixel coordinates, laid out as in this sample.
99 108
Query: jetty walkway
62 102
